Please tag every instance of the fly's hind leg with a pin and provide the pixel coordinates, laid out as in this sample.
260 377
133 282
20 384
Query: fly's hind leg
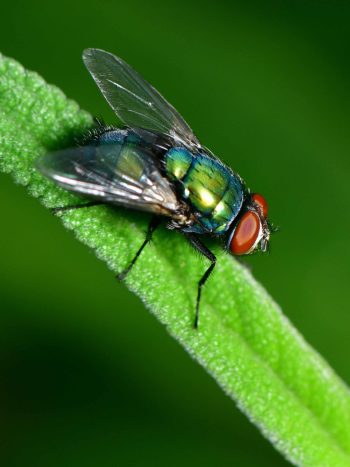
75 206
154 223
203 250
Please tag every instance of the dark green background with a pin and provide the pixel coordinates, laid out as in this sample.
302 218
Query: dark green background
87 376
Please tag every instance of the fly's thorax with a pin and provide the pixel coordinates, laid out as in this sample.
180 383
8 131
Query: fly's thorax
128 164
122 152
213 191
129 149
132 137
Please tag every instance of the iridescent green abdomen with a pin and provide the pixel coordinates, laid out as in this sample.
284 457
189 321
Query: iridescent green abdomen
212 189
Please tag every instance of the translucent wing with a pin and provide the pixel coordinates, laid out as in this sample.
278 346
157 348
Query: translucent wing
133 99
117 174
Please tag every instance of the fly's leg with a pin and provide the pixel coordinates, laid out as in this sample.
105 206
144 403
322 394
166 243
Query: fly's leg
203 250
154 223
75 206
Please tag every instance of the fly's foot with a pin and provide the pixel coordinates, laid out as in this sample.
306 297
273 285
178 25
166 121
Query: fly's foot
122 275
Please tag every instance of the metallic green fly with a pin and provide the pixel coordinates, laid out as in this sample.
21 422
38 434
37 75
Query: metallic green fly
156 164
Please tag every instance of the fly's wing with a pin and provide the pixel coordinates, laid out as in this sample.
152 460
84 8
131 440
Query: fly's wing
114 173
134 100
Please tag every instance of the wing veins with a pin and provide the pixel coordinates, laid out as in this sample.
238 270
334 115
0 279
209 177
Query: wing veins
137 103
149 104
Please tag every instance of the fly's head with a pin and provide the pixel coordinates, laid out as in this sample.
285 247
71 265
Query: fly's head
251 232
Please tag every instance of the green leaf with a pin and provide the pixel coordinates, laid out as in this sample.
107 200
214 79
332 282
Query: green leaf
244 341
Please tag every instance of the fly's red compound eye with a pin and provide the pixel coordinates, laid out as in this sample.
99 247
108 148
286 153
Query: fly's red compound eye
246 234
261 202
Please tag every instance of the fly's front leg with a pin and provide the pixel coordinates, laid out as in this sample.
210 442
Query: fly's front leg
199 246
154 223
75 206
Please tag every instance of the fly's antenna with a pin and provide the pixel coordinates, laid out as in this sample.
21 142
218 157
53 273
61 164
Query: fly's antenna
272 227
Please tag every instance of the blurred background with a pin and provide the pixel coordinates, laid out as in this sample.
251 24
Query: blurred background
87 376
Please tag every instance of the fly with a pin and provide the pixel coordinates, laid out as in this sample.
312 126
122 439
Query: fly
156 164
